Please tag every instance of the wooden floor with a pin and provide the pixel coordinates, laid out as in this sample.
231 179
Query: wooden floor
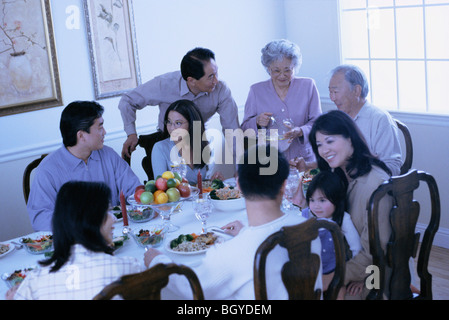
439 269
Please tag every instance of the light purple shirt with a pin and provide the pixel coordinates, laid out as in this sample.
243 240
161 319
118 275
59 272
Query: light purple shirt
59 167
302 105
170 87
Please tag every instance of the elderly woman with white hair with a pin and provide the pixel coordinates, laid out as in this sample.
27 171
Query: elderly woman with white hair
284 96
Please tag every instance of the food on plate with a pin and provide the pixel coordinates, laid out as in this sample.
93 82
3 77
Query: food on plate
117 212
17 276
4 248
193 242
209 185
40 245
118 242
225 193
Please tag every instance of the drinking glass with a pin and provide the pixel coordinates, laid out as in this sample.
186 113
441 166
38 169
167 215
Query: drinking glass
277 128
291 187
179 167
203 208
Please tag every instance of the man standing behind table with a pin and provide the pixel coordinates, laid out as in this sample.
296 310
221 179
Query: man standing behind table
226 272
83 157
196 81
348 89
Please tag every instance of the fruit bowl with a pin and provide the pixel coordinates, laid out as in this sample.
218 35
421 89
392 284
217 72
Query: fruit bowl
38 244
152 236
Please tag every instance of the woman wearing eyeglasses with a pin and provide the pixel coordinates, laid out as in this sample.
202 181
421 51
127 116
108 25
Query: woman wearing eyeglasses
184 129
284 96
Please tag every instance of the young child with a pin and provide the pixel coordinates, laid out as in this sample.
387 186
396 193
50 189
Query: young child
326 199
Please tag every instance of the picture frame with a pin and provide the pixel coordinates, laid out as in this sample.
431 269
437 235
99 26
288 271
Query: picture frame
112 46
29 76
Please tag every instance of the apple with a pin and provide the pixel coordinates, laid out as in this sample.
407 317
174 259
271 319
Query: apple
184 190
150 186
161 184
138 193
173 194
146 197
139 188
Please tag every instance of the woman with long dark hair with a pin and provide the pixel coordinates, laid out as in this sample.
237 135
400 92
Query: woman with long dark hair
339 146
184 143
82 263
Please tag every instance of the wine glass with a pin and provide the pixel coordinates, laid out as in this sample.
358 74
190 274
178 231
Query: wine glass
203 208
166 210
291 187
276 130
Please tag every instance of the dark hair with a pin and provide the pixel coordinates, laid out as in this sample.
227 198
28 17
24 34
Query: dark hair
78 115
81 208
189 110
334 189
254 184
337 122
192 65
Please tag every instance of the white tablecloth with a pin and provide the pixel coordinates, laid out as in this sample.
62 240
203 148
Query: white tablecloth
19 259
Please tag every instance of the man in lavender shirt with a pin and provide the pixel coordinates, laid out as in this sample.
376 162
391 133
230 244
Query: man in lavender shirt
83 157
196 81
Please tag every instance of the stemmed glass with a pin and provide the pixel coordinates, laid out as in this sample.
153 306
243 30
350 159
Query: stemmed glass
203 208
166 210
179 167
291 187
276 130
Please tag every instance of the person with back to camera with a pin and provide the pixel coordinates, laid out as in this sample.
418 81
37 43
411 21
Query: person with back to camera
196 81
226 271
181 119
83 262
326 199
284 96
83 157
340 147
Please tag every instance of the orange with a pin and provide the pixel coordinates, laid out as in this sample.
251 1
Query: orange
161 198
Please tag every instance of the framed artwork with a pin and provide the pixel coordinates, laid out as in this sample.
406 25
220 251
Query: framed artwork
113 46
29 75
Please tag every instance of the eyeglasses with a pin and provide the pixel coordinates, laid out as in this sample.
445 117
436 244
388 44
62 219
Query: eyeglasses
176 124
276 72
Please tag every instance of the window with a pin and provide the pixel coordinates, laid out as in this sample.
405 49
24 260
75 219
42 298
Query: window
403 48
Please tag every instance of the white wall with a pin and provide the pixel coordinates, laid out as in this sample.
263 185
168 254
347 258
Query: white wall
236 30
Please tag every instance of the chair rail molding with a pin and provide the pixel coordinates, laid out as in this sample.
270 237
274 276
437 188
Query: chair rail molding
51 145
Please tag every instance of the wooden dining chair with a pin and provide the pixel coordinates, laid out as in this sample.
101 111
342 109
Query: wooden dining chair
147 141
299 274
404 241
147 285
27 176
406 166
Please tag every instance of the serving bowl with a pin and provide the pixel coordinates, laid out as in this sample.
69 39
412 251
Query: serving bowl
141 212
38 244
229 204
151 236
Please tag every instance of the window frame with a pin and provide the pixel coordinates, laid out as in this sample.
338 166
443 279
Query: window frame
405 115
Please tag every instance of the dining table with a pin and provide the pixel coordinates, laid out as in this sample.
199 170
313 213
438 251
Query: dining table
20 258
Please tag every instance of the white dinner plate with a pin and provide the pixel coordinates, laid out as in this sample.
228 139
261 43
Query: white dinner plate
11 248
189 253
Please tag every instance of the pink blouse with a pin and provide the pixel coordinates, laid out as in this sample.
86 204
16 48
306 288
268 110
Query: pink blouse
301 104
